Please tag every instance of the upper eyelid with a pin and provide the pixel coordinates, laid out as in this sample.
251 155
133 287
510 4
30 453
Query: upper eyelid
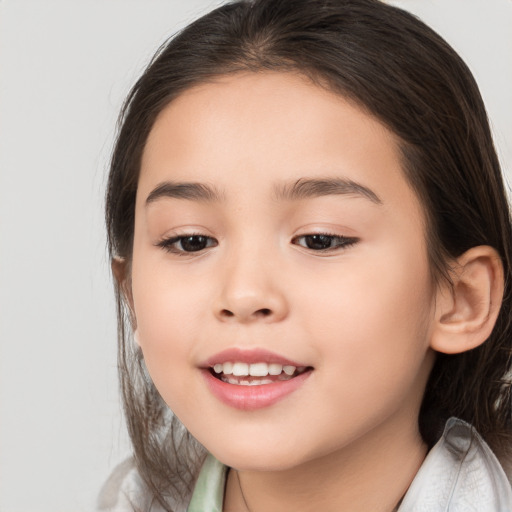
320 233
178 236
326 233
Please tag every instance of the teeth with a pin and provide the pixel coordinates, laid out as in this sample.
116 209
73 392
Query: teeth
239 369
258 370
289 370
254 382
275 369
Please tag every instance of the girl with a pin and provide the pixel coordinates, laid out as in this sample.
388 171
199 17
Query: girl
311 243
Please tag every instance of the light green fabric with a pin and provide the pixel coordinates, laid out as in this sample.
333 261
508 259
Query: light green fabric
208 493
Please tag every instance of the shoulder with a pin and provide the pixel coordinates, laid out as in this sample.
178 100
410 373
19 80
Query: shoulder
460 473
125 491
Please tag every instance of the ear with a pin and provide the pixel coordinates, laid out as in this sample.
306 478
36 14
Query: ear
466 312
121 272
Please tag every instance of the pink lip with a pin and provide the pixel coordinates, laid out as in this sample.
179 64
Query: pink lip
249 356
250 398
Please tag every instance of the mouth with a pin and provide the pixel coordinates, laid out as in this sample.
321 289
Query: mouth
253 379
255 374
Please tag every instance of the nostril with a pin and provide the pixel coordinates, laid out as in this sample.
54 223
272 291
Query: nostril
245 315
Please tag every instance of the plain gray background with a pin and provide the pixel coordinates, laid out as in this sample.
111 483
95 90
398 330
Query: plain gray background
65 67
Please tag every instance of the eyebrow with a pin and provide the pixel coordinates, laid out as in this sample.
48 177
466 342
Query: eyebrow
184 190
302 188
316 187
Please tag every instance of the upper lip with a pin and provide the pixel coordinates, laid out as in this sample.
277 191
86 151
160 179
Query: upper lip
253 355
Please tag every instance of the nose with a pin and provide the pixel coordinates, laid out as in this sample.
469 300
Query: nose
250 291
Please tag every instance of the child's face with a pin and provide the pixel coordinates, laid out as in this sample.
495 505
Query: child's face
355 307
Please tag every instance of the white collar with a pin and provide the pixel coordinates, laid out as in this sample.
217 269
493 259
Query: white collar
460 473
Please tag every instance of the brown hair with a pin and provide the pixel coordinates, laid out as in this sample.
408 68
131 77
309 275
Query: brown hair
408 77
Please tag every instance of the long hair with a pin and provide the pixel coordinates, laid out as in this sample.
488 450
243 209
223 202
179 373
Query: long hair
398 70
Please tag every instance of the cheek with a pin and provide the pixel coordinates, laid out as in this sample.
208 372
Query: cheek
371 334
169 313
168 299
373 318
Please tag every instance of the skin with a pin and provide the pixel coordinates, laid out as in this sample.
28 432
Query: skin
362 315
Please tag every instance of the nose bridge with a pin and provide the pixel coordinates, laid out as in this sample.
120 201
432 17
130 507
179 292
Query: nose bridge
250 288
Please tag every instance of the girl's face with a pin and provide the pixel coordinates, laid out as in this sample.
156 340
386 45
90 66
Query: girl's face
274 229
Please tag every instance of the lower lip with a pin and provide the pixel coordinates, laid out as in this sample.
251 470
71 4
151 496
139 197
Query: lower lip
250 398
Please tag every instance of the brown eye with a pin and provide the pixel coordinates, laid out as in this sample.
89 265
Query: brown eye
187 244
323 242
318 242
193 243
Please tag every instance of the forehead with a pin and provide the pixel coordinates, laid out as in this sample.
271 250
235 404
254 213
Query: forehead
251 131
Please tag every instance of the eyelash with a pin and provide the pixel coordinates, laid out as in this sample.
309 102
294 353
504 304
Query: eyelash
342 242
169 244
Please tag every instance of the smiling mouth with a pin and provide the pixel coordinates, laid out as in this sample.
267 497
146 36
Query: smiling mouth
255 374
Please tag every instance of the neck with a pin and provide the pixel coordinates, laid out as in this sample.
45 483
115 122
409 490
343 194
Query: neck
373 473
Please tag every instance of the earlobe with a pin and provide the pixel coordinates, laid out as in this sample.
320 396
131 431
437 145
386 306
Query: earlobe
467 311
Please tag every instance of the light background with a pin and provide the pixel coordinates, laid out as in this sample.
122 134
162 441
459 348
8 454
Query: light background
65 67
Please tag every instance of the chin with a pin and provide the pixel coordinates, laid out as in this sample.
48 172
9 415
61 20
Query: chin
251 462
254 455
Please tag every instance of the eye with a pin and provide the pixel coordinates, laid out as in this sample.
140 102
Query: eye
184 244
324 242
